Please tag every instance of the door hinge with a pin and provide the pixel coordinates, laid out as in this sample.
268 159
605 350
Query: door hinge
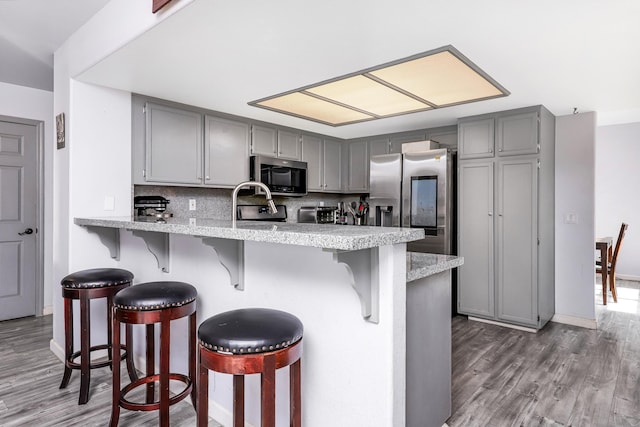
538 241
538 148
144 109
538 164
538 317
144 173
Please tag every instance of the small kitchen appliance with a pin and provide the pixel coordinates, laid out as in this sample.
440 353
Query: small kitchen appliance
261 213
155 206
318 214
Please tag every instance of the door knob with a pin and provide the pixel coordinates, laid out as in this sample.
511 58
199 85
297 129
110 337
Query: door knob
27 231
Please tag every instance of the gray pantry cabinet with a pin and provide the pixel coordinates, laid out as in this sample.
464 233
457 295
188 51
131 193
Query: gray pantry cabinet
506 216
324 163
272 142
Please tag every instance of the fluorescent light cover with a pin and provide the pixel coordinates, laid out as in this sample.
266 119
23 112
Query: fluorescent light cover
306 106
442 79
368 95
434 79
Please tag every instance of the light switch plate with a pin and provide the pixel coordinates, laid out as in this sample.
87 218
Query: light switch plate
109 203
192 204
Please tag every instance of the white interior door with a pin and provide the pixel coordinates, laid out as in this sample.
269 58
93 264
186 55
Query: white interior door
18 215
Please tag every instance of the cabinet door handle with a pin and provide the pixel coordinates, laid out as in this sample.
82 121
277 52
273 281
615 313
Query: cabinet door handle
207 178
499 149
490 213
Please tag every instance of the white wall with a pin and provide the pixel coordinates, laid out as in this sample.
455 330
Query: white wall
575 181
96 160
617 189
35 104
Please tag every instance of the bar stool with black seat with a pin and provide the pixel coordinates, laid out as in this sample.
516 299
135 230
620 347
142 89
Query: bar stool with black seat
147 304
251 341
84 286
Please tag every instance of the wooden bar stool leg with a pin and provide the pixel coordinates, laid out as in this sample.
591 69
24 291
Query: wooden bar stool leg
109 331
268 394
150 361
238 401
131 367
68 340
295 401
203 393
165 341
193 333
115 382
85 344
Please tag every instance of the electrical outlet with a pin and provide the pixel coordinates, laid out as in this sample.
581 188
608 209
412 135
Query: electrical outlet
192 204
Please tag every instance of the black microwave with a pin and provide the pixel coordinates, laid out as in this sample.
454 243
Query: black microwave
283 177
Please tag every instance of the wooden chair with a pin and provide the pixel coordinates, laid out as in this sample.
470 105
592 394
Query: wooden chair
611 264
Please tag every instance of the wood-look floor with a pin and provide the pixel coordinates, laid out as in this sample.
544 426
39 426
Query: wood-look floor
561 376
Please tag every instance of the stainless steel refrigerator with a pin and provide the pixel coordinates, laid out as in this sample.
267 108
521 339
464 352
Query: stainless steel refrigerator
415 189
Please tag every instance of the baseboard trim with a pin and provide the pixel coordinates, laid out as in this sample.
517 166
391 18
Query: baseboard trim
575 321
56 350
506 325
47 310
628 277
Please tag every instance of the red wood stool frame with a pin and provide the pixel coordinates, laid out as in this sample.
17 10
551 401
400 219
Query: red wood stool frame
85 295
164 316
239 365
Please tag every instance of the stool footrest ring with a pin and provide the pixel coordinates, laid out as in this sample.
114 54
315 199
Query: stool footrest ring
133 406
93 365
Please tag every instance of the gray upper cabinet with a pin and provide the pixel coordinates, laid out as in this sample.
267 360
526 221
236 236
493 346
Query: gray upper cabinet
324 164
264 141
332 154
226 152
312 147
289 145
358 169
378 146
173 145
475 138
275 142
517 134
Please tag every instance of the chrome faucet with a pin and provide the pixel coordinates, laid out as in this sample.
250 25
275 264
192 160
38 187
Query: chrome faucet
234 199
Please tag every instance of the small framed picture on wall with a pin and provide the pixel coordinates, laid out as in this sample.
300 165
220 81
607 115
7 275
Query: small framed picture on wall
60 130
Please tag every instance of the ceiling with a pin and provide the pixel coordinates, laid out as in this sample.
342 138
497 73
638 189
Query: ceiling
220 55
31 30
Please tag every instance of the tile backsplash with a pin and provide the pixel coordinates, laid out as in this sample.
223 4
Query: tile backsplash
215 203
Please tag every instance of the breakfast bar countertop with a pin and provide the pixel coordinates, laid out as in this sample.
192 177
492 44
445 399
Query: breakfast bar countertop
327 236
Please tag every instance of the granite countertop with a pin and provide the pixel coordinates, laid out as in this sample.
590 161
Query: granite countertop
326 236
420 265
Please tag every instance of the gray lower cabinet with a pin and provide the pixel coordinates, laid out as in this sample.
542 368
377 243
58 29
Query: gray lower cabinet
506 221
226 152
324 163
173 145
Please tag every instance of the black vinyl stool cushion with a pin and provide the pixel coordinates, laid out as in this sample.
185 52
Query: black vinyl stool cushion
250 330
96 278
155 296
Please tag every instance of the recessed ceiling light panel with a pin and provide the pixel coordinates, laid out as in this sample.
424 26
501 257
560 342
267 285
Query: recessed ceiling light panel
434 79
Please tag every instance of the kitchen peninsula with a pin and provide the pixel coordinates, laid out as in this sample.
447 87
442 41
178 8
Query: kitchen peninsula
376 318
